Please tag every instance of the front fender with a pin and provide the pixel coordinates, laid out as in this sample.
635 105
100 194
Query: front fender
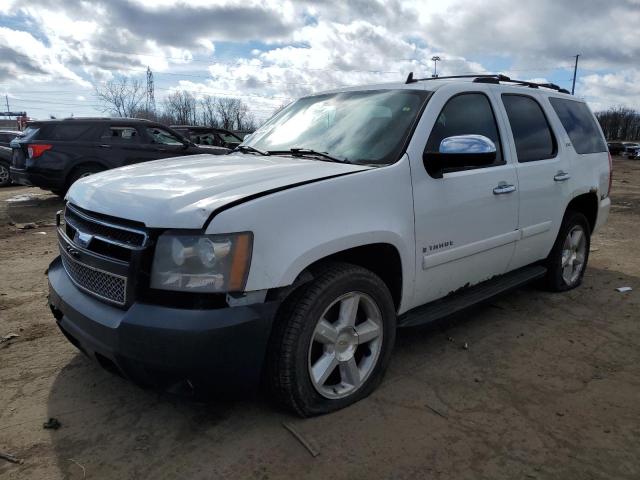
296 227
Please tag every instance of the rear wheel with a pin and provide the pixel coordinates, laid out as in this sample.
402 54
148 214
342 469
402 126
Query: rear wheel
567 261
332 341
82 172
5 179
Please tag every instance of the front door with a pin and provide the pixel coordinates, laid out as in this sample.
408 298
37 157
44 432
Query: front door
466 221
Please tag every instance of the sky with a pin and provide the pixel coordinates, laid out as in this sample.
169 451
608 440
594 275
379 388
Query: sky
54 53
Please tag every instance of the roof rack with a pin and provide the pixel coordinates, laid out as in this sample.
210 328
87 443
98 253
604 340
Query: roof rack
494 78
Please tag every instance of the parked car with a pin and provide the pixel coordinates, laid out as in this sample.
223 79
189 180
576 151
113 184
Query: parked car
53 154
348 214
7 135
5 155
615 148
207 136
630 149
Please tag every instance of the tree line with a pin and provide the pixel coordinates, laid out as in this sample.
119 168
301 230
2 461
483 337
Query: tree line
127 98
620 123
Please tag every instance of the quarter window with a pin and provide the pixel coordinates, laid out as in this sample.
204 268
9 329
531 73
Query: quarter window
466 114
531 132
578 122
120 135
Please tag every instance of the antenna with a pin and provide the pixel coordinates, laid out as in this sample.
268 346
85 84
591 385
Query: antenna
151 101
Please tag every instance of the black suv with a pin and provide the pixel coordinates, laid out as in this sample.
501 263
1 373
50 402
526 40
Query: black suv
204 136
53 154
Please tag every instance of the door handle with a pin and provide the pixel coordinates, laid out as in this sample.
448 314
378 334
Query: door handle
105 146
503 188
561 176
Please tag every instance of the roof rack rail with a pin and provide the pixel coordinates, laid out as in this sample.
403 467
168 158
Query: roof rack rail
491 78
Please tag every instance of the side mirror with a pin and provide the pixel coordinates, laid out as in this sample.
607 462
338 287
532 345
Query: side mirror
459 152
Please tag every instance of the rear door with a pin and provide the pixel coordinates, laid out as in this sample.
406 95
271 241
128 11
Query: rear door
124 146
544 173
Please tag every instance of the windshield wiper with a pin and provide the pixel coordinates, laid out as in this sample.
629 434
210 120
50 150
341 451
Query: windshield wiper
250 149
301 152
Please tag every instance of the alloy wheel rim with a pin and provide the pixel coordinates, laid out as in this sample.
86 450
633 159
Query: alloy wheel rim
4 174
345 345
574 251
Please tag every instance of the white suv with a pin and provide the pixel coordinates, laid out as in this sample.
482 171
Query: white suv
349 214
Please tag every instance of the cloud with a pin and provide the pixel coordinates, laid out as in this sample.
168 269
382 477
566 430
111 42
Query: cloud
283 49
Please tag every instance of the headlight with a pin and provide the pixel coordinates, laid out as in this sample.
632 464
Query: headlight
202 263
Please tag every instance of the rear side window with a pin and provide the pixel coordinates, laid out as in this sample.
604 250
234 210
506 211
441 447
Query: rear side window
531 132
578 122
120 135
66 133
466 114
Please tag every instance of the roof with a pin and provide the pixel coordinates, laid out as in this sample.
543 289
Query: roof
112 120
432 84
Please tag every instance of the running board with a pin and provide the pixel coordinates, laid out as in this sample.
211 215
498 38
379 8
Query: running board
468 297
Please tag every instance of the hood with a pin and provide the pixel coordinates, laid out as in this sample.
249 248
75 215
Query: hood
182 192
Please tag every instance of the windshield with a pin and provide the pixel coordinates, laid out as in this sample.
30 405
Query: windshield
368 127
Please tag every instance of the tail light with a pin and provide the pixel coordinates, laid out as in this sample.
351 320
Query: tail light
37 149
610 174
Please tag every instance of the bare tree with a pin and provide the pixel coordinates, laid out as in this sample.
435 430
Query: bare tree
181 107
620 123
209 111
122 97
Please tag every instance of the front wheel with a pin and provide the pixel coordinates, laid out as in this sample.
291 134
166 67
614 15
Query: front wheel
567 261
332 341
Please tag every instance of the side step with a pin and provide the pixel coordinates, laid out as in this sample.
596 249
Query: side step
468 297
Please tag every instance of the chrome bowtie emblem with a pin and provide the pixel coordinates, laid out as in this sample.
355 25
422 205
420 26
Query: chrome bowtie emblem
82 239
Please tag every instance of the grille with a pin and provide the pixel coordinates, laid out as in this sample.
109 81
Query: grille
105 285
108 232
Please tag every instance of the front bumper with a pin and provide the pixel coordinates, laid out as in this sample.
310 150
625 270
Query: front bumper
156 345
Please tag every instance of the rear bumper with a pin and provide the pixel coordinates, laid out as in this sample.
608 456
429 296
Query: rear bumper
603 213
36 179
155 345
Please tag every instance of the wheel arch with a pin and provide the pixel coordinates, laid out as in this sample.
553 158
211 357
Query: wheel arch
91 162
381 258
587 204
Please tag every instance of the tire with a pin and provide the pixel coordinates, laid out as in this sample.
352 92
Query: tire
569 255
298 347
5 177
81 172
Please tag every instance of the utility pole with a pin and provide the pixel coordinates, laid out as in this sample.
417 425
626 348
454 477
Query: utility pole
575 72
6 99
435 59
151 101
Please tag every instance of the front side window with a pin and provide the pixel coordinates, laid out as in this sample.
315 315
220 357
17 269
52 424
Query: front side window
578 122
162 136
466 114
531 132
367 127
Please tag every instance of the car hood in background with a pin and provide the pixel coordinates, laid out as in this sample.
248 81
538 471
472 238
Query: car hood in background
182 192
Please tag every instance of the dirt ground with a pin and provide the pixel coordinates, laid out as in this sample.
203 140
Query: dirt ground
548 388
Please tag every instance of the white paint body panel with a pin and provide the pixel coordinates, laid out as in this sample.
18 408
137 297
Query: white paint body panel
182 192
339 206
296 227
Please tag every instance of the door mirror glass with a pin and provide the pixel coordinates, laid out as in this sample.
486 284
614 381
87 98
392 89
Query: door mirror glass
460 152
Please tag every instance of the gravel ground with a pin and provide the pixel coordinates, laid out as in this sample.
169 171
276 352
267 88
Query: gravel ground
548 388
